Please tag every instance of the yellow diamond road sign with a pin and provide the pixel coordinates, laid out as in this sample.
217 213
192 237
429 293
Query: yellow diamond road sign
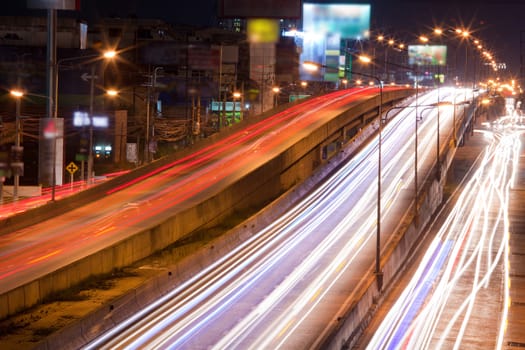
72 168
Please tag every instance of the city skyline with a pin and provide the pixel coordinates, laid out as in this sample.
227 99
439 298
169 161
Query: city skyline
497 23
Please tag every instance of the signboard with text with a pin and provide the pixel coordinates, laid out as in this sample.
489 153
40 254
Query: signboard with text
427 55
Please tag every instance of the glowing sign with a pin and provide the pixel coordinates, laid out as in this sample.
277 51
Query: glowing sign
80 118
427 55
349 21
325 26
263 30
100 121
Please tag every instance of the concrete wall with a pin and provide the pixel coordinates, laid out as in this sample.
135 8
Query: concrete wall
23 191
294 164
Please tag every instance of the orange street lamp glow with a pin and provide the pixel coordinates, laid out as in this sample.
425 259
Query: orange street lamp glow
438 31
237 94
380 38
112 92
310 66
365 59
391 42
465 34
304 83
110 54
423 39
16 93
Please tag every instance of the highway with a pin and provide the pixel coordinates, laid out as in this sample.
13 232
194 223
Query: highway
459 296
285 286
40 249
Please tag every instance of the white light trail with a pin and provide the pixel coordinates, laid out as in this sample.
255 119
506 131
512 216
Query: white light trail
477 230
322 235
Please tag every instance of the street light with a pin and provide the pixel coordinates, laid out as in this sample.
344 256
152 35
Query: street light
313 66
18 94
112 92
151 86
276 91
109 54
454 118
416 136
235 95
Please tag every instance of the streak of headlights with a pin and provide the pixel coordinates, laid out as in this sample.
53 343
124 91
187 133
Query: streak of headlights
187 309
487 192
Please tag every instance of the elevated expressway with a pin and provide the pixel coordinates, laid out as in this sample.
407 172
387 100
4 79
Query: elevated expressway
112 225
345 309
303 280
330 144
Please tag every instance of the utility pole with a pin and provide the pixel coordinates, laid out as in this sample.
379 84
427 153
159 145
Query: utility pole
150 123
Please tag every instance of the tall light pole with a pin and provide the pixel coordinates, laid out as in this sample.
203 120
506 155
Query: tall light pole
236 95
17 150
378 271
312 66
276 91
150 121
91 100
18 94
109 54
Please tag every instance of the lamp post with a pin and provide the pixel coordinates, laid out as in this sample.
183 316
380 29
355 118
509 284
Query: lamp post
152 85
18 94
378 271
276 91
235 95
110 54
454 118
312 66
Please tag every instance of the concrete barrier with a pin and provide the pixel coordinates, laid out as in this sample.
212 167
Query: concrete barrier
23 191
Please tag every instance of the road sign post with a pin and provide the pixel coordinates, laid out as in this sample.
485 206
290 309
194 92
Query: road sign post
72 168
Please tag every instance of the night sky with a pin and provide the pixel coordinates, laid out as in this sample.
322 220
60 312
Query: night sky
498 22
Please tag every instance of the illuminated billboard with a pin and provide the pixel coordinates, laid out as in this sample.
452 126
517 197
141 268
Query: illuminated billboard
349 21
276 9
427 55
325 26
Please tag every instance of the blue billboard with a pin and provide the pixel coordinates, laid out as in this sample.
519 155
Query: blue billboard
325 26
